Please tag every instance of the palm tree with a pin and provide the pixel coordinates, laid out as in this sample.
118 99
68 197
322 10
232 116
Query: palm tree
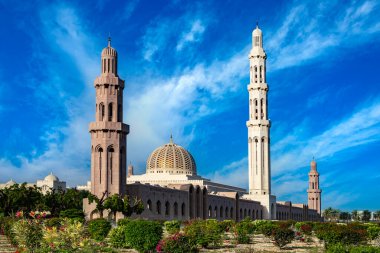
355 215
366 215
376 215
327 213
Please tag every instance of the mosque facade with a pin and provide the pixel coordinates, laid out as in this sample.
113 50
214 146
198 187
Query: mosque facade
171 188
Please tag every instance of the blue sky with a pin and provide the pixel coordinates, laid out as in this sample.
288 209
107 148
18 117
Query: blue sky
185 64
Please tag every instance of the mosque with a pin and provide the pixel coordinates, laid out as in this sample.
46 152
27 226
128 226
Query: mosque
171 187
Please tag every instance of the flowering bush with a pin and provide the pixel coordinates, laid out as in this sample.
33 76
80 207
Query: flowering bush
282 236
70 236
204 232
373 231
177 243
27 233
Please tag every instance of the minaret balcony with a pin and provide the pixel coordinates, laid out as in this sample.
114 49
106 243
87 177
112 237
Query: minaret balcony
257 86
110 80
109 126
258 122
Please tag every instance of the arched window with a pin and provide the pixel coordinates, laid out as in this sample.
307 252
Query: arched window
149 205
101 112
231 212
312 185
167 208
108 65
261 75
257 214
241 214
249 213
183 209
216 212
158 206
226 212
110 112
209 211
100 151
221 212
110 161
175 209
245 213
119 113
261 109
255 74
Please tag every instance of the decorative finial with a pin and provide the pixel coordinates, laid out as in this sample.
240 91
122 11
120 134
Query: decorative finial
171 138
109 39
313 158
257 23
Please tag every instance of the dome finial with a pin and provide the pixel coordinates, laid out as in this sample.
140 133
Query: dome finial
171 138
109 39
257 23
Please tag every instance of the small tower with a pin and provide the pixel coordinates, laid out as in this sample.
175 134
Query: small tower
130 170
314 193
108 132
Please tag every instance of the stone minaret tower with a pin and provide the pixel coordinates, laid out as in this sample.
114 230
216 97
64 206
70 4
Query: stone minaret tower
108 132
314 193
258 126
258 123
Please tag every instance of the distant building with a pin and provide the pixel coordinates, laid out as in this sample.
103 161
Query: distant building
50 182
86 187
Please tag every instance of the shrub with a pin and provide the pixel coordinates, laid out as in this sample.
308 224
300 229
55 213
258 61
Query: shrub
242 231
282 236
337 248
53 222
117 237
204 233
143 235
68 238
373 231
346 235
6 224
123 222
27 234
177 243
71 213
226 225
364 249
340 248
172 227
99 229
267 228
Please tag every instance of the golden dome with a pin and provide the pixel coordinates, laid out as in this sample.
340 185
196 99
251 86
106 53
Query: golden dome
171 158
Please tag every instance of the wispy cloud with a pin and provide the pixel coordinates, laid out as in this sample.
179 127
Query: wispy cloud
299 40
191 36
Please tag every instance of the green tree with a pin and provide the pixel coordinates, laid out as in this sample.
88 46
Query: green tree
115 203
376 215
366 216
99 202
132 206
345 216
355 215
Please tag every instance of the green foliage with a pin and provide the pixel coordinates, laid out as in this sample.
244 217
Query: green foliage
117 237
53 222
264 227
99 228
351 234
305 228
71 213
243 230
27 234
203 232
340 248
172 227
123 222
143 235
6 224
373 231
68 238
282 236
226 225
177 243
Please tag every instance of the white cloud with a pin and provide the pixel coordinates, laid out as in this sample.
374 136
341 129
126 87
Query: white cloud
300 40
194 35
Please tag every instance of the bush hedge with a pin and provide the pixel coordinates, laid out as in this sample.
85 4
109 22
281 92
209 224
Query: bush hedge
143 235
177 243
99 228
172 227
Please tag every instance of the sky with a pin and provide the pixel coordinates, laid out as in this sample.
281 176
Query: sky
186 70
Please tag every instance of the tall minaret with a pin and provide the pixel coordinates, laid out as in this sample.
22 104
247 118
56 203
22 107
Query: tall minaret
314 193
108 132
258 128
258 123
